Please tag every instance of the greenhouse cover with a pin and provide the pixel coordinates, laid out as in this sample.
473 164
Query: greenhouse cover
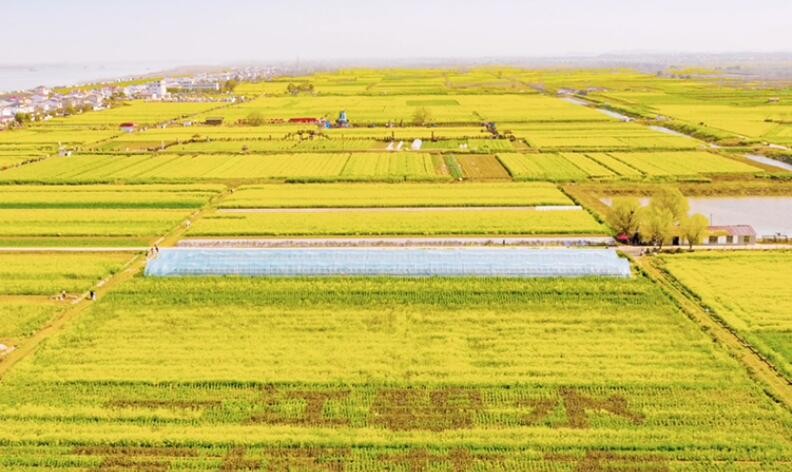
414 262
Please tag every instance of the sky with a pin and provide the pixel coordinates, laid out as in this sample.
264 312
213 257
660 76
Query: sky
232 31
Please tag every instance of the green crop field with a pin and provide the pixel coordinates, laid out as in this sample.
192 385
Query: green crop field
139 112
750 291
684 364
683 163
553 167
399 166
479 167
395 195
49 273
88 215
213 168
606 136
125 224
30 283
397 222
263 373
106 196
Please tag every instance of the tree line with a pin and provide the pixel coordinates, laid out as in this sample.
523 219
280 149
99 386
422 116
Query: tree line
666 218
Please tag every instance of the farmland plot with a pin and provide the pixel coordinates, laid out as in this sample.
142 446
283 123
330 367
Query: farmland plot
136 111
457 374
613 164
395 195
231 146
106 196
750 291
95 215
607 136
683 163
179 168
588 165
212 168
50 138
31 227
29 283
427 222
553 167
481 167
401 166
14 159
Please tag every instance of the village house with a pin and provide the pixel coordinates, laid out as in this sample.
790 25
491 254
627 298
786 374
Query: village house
732 235
128 127
5 109
193 85
152 91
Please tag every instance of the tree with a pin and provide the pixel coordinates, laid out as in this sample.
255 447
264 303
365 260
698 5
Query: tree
230 85
672 200
422 116
623 216
255 119
657 225
694 229
296 89
22 118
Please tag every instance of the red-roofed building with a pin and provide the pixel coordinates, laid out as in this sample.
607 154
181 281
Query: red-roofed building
128 127
305 121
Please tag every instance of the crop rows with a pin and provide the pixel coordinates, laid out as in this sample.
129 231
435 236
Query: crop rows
608 136
398 222
456 373
393 195
31 283
95 215
688 163
399 166
182 168
580 166
750 291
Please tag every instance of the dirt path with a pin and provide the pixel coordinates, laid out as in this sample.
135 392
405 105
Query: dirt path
758 368
73 249
82 304
402 209
536 241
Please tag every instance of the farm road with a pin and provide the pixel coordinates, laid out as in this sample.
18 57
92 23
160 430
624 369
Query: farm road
133 267
401 209
775 384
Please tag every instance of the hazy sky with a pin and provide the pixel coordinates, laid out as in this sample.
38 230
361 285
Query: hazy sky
220 31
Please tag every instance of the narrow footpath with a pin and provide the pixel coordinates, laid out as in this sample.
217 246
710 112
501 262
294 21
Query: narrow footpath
773 382
132 268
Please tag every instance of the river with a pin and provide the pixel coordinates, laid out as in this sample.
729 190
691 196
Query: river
23 77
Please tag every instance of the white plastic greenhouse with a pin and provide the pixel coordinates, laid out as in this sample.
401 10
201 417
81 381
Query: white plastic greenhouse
421 262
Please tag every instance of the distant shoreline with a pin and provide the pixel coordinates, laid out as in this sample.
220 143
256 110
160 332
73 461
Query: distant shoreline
20 77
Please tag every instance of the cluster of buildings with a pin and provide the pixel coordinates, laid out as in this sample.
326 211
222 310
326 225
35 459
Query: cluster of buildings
188 88
173 89
42 103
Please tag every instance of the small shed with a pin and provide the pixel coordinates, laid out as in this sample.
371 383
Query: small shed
128 127
731 235
343 120
304 120
214 121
